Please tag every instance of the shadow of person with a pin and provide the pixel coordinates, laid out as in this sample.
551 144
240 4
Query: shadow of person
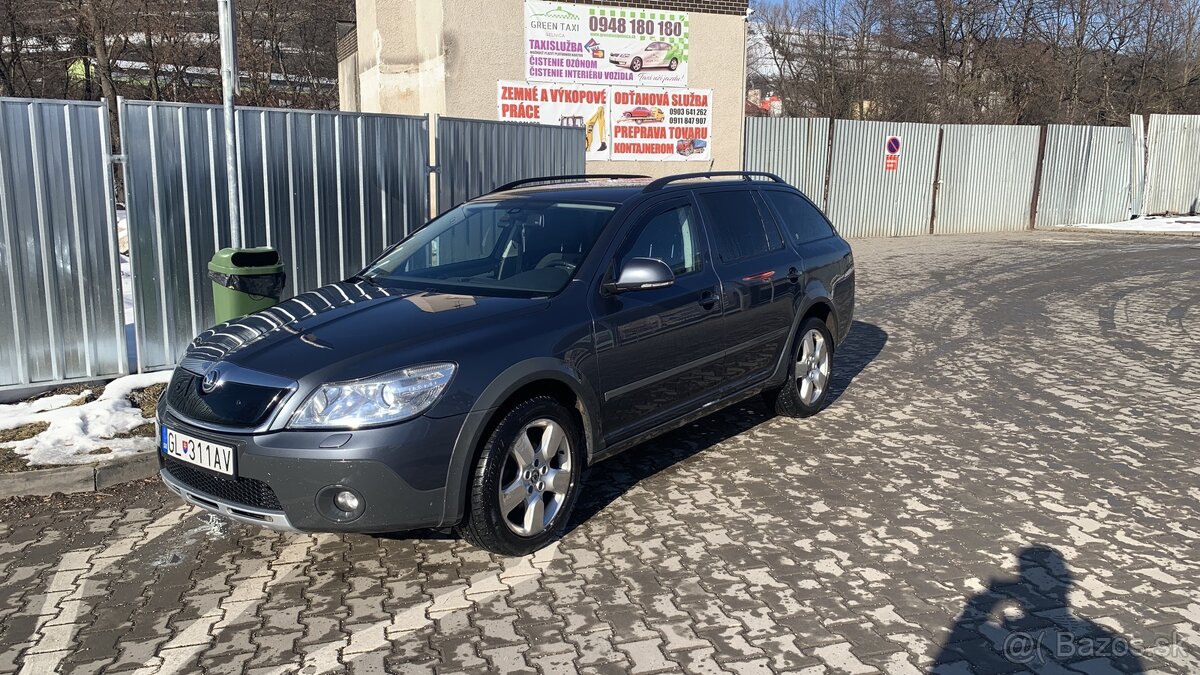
1026 624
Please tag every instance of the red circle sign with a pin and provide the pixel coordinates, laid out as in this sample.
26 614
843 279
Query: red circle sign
893 145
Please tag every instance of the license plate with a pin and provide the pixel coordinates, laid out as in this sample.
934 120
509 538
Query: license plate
192 450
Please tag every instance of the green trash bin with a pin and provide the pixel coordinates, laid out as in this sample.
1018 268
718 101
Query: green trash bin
245 280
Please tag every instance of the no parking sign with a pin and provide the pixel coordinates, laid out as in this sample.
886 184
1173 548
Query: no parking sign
891 159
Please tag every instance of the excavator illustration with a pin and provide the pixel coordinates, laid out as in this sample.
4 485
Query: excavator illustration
595 123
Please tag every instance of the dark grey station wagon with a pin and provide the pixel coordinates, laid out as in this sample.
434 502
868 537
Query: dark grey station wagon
469 375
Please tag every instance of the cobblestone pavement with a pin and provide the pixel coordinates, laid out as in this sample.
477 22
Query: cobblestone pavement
1006 480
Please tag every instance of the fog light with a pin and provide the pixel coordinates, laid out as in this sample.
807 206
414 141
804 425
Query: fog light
340 503
346 501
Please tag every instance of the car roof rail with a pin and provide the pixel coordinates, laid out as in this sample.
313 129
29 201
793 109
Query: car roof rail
549 179
745 175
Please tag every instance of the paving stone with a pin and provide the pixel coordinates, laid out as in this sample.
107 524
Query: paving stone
1008 463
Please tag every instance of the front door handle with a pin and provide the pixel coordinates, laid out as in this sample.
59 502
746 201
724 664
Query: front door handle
793 275
761 276
708 299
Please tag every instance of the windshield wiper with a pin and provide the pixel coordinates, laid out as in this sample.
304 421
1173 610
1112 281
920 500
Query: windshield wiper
363 277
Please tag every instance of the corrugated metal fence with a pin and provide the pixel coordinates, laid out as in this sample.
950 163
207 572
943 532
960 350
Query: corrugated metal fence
60 300
475 156
1085 175
795 148
865 200
983 178
1137 165
986 176
330 190
1173 164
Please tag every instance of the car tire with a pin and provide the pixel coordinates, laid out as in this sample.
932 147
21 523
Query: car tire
673 65
810 370
551 476
636 64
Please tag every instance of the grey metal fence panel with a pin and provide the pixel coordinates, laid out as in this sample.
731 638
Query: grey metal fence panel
867 201
329 190
794 148
61 313
1137 164
476 156
1173 164
1085 175
985 178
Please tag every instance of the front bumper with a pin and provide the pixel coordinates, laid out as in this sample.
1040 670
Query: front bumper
400 472
275 520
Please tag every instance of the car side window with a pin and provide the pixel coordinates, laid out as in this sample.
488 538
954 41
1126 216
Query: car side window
669 236
738 225
803 222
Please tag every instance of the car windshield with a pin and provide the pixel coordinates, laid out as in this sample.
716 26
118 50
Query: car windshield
517 247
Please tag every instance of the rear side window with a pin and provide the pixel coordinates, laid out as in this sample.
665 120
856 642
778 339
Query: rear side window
802 221
738 225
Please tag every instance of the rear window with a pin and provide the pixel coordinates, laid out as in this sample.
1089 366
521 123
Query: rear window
738 225
802 221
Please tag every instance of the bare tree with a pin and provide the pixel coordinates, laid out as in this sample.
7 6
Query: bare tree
164 49
1002 61
106 25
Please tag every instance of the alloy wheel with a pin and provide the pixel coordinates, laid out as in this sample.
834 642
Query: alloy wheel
536 477
812 366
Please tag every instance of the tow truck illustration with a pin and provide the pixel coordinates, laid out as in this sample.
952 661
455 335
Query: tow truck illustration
690 146
642 114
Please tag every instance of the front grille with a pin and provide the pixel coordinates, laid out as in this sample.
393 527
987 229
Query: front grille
245 491
231 404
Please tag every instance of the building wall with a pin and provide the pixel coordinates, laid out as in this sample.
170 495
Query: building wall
446 56
401 59
347 56
348 83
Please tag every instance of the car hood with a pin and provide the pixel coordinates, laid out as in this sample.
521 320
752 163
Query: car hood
348 330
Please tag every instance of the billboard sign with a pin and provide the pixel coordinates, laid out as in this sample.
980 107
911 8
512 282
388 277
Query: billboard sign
633 124
568 42
661 124
566 105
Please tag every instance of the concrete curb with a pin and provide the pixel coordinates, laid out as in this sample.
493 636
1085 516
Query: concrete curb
82 478
1098 230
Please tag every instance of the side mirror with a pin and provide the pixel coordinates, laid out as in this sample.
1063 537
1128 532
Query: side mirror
641 274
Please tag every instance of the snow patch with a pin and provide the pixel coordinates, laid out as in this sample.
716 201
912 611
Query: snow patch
1148 224
127 295
76 430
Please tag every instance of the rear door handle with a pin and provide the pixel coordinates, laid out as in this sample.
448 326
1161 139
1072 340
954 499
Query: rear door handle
708 299
793 275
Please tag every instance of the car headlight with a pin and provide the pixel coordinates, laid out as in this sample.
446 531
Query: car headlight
392 397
